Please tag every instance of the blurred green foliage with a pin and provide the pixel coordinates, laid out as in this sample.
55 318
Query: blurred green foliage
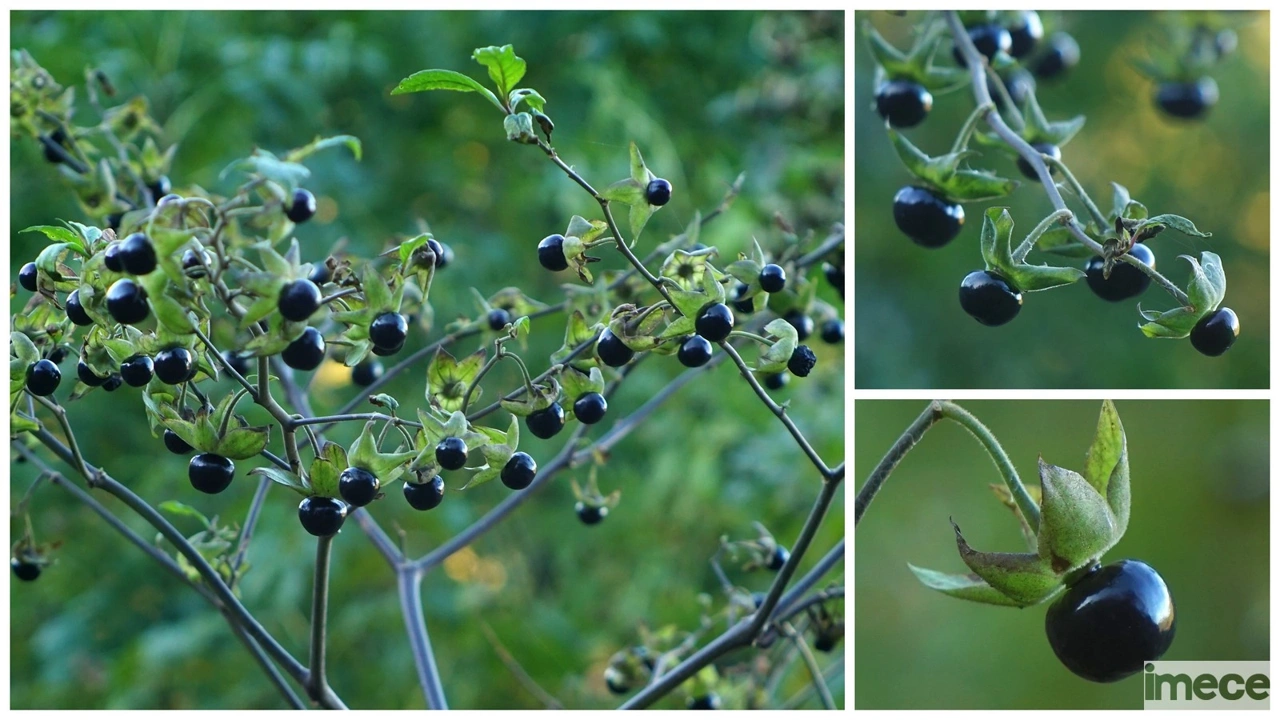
1200 517
911 330
706 95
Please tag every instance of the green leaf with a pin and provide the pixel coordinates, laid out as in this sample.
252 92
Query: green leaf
351 142
976 185
966 587
625 191
283 477
779 353
56 233
1205 292
47 260
639 171
171 315
173 507
377 294
448 378
325 469
244 443
505 68
1024 578
996 240
24 348
1060 241
424 80
679 327
528 96
1108 445
1076 524
1119 200
1035 278
288 174
1177 222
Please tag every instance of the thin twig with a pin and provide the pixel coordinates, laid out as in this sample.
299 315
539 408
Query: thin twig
316 680
409 582
931 415
819 684
521 676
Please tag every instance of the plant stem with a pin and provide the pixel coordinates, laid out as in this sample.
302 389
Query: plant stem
409 582
250 523
971 124
1029 509
1054 218
899 450
819 684
316 681
1079 190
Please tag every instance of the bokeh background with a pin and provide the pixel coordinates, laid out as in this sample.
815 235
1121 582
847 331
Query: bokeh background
705 95
1199 472
911 330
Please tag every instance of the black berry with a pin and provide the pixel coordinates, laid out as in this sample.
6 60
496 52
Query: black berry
833 331
779 558
388 331
88 376
1187 100
357 486
715 322
43 377
443 253
590 514
988 39
834 275
776 381
193 263
989 298
927 218
366 373
114 220
137 255
551 253
57 355
1019 85
545 423
160 187
299 300
237 362
590 408
1025 33
773 278
1052 151
658 193
322 516
710 701
112 383
695 352
741 302
1216 332
301 206
616 684
425 496
903 103
175 444
802 361
24 570
1111 621
498 318
519 471
1061 55
137 370
27 277
451 453
321 273
612 351
305 353
801 322
76 312
127 302
210 473
175 365
1126 281
111 258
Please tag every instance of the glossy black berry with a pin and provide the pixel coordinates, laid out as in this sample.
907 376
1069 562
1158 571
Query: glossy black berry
301 206
833 331
127 302
160 187
24 570
237 362
742 303
322 516
43 377
1052 151
988 39
111 258
498 318
175 444
76 312
1187 100
114 220
388 331
612 351
590 514
827 639
519 471
193 263
357 486
715 322
136 254
321 273
210 473
590 408
903 103
551 253
451 453
298 300
112 383
776 381
710 701
773 278
1025 33
137 370
988 298
1019 85
1062 54
425 496
779 558
802 361
175 365
835 276
443 253
926 218
1111 621
545 423
366 372
1126 281
88 376
27 277
801 322
658 192
694 352
305 353
1216 332
58 354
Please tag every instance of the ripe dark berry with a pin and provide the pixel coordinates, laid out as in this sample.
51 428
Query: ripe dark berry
50 146
779 558
835 276
425 496
322 516
1216 332
1019 85
801 322
175 444
357 486
1126 281
320 274
112 383
833 331
160 187
590 514
590 408
658 193
111 258
299 300
1061 55
305 353
443 253
988 298
903 103
1110 622
193 263
366 373
926 218
695 352
551 253
76 312
988 39
58 355
545 423
612 351
210 473
451 453
773 278
127 302
43 377
137 255
114 220
384 352
498 318
27 277
776 381
519 471
88 376
710 701
715 322
1025 33
175 365
802 361
827 639
1187 100
1052 151
741 303
137 370
238 362
301 206
388 331
24 570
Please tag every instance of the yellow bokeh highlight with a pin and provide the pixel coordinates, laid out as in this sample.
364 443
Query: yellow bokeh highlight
1254 228
331 375
461 566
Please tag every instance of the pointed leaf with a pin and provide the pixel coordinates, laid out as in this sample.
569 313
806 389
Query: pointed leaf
1025 578
424 80
1076 524
505 68
966 587
283 477
244 443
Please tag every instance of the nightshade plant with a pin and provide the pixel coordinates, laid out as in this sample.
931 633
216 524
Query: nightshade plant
1107 621
209 302
1000 74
